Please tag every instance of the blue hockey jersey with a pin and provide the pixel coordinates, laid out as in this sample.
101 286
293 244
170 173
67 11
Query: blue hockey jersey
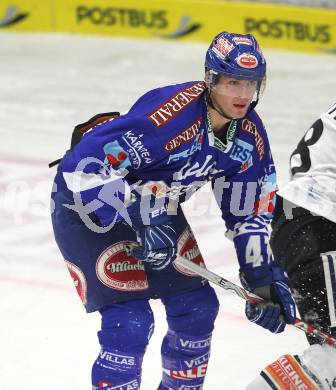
165 144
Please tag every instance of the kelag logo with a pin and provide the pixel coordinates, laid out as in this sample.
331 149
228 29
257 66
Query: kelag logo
319 33
135 18
12 16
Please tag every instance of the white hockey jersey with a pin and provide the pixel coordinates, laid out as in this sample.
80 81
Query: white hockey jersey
315 369
313 169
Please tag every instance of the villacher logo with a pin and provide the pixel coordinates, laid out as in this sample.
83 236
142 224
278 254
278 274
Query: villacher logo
12 16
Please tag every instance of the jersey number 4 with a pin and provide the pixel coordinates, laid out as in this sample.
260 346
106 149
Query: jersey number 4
258 250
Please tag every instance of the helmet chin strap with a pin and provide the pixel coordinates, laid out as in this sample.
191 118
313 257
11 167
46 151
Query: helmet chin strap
220 111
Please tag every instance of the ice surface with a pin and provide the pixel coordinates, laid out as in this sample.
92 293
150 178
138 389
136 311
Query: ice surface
49 83
321 361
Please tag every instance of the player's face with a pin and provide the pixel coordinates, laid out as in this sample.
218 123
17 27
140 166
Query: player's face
234 96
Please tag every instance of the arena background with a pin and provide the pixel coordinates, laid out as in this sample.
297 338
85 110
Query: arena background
276 25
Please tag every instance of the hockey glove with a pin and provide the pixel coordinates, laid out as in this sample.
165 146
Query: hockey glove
155 234
157 245
270 283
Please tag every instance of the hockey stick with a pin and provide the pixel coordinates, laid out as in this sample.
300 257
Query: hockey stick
250 297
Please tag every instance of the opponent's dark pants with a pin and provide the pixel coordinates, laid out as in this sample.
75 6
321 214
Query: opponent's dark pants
306 246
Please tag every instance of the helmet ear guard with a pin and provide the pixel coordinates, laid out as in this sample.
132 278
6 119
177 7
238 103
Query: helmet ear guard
262 86
211 77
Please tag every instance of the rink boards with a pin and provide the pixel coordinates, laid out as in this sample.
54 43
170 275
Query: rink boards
275 26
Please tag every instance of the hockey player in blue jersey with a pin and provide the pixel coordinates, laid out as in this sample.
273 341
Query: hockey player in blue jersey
118 221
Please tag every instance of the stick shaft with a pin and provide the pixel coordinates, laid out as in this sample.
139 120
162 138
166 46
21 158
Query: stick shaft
248 296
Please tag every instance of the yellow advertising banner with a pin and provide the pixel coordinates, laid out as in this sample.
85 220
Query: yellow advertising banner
26 15
275 26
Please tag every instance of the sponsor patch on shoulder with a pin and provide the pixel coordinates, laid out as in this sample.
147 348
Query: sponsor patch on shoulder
116 155
137 151
177 103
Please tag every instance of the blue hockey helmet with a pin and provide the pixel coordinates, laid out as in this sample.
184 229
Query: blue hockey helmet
234 55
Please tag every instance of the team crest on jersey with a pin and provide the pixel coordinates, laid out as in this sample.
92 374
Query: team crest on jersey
188 248
116 269
79 280
116 155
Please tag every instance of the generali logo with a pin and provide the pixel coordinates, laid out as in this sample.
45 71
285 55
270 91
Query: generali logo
184 136
12 16
177 103
251 128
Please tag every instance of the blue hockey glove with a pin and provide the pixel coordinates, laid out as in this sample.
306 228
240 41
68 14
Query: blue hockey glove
158 245
270 283
155 232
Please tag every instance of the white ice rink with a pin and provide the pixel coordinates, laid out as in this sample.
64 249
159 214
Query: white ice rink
47 85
